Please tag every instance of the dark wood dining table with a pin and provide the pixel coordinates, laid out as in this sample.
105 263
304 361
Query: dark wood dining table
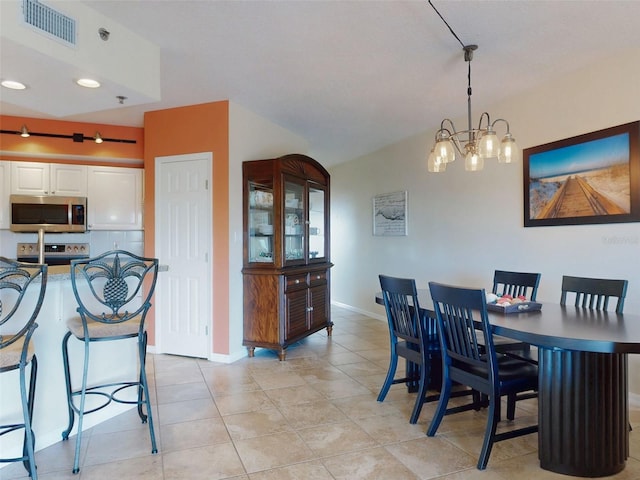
583 388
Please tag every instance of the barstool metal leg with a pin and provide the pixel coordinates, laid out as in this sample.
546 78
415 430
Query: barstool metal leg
83 396
27 399
142 349
67 379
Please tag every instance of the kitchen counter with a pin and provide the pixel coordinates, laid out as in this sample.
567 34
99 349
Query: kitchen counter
58 271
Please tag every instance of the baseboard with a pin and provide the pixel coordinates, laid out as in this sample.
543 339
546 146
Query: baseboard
351 308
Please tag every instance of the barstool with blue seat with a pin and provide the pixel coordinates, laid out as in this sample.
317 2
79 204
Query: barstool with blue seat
18 313
113 292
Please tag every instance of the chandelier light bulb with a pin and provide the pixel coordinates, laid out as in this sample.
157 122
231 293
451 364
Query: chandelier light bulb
444 148
435 163
488 147
472 161
509 152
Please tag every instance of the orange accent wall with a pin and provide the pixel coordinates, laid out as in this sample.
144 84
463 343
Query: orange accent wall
38 148
184 130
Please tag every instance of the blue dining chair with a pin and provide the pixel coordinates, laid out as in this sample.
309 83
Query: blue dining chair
461 314
594 293
113 292
18 313
516 284
412 336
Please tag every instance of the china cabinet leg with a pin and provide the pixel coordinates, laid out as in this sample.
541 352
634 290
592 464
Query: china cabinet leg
252 351
282 354
329 330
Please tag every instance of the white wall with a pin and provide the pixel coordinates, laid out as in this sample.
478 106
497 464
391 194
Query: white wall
463 225
251 137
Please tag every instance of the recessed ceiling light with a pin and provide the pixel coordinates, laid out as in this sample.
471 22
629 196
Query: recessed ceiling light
13 85
88 82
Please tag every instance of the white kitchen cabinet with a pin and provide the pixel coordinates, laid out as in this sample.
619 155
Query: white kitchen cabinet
5 185
114 198
34 178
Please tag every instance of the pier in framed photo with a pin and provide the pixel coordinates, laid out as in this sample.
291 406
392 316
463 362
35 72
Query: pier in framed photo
591 178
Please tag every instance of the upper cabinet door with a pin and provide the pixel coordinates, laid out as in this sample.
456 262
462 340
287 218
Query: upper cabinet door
30 178
114 200
33 178
68 180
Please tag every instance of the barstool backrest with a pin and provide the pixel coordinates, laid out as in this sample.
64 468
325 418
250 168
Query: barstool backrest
114 287
18 311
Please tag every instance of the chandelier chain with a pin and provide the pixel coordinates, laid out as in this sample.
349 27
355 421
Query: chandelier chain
447 24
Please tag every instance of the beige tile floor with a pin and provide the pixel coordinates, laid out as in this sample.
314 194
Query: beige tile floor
313 416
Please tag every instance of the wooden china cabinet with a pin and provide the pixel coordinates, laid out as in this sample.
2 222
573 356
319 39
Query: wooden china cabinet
286 251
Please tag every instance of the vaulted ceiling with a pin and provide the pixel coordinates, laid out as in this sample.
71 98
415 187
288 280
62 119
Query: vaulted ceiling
349 76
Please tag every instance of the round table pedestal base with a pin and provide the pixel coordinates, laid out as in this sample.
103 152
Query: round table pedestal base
583 412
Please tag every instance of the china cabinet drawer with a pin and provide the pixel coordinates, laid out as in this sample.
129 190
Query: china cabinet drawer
317 278
295 282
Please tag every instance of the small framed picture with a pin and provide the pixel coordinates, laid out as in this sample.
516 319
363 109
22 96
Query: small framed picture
390 214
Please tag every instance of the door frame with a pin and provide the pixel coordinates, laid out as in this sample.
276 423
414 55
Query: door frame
157 232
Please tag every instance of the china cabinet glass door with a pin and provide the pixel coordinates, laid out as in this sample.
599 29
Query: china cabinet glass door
260 226
317 225
294 221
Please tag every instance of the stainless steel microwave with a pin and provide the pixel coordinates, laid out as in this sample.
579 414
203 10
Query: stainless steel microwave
30 213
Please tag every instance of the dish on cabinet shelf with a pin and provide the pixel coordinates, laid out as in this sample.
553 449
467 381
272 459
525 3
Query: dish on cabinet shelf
293 230
258 198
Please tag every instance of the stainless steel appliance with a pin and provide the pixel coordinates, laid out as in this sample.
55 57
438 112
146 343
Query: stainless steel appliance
54 253
50 213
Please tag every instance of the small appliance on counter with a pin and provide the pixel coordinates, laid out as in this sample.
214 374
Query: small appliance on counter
54 253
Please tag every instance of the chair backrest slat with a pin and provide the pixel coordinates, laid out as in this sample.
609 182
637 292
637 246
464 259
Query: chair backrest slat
594 293
516 283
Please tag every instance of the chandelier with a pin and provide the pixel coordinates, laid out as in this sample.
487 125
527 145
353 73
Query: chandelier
474 144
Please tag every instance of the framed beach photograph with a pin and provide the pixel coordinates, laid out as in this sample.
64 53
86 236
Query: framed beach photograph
587 179
390 214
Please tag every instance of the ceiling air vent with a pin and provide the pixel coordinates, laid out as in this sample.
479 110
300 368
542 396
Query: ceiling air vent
50 21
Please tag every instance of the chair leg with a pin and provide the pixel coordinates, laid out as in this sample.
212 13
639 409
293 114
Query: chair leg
422 392
511 406
492 423
391 373
142 350
27 399
67 380
441 409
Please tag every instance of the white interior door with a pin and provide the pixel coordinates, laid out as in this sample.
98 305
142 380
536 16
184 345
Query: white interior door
183 232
